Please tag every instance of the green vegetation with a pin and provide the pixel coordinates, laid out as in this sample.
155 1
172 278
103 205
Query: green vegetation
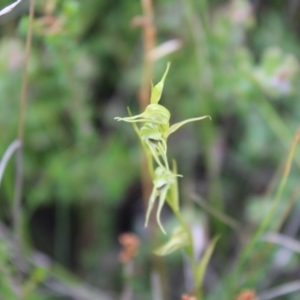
221 219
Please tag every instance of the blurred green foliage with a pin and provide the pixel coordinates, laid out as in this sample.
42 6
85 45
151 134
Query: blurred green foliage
237 63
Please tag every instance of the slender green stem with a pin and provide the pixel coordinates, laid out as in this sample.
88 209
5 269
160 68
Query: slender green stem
263 226
189 250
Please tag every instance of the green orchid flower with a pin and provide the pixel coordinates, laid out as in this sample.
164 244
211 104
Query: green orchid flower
156 90
152 139
164 179
154 113
153 135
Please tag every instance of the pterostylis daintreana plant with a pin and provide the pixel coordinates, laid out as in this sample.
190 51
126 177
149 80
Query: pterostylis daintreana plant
153 128
154 134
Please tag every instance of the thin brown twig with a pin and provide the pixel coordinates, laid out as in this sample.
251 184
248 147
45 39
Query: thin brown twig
149 44
144 93
149 40
23 99
16 210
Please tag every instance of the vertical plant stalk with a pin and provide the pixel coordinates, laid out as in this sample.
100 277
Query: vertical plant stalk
149 44
149 40
17 204
153 135
23 99
144 93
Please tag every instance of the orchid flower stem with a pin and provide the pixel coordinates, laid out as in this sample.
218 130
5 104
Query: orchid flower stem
153 135
189 251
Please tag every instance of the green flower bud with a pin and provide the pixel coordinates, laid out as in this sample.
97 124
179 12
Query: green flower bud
157 90
164 179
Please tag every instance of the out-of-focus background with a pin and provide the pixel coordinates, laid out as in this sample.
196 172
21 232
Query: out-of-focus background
237 61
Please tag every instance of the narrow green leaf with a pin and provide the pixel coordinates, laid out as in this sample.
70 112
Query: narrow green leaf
150 205
176 126
157 89
173 198
202 266
162 199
